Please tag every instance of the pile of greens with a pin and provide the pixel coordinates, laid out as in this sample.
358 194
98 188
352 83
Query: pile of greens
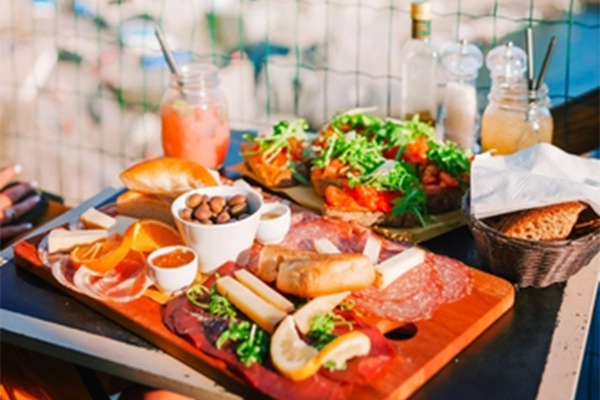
359 154
270 146
321 331
252 342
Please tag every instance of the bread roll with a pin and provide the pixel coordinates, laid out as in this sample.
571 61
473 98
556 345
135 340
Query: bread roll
139 205
272 255
166 177
327 274
553 222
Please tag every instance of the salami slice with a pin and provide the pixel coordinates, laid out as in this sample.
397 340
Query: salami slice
454 277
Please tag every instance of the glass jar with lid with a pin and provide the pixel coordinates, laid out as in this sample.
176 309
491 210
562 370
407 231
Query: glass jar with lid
195 124
462 62
516 117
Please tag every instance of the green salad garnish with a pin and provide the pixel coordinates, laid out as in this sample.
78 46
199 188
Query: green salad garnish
448 157
359 154
282 132
252 342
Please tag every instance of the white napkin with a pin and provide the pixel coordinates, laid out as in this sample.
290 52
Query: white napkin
537 176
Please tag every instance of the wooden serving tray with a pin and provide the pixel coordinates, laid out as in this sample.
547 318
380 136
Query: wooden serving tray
431 343
307 197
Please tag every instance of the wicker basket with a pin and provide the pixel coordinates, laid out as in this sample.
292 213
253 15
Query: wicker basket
531 263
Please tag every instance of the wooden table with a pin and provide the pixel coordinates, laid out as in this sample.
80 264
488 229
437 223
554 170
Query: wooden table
533 351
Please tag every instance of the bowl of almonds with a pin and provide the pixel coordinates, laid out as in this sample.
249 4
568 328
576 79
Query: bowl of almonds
219 223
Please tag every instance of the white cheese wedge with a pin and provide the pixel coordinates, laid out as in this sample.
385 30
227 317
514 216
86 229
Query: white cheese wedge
372 249
263 290
396 266
121 224
94 219
317 306
64 240
324 246
267 316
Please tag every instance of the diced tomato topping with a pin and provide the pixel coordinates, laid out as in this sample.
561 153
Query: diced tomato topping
338 198
391 153
297 149
416 152
385 199
429 175
366 196
448 180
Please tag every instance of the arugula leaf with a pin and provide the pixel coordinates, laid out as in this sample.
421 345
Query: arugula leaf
218 305
253 342
448 157
322 326
360 155
270 146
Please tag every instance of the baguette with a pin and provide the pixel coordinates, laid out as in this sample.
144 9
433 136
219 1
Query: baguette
549 223
168 177
327 274
271 256
143 206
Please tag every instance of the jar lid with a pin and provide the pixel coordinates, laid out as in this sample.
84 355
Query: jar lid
421 10
463 59
507 60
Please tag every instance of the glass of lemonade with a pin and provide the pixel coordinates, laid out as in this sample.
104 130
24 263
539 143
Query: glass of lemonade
195 123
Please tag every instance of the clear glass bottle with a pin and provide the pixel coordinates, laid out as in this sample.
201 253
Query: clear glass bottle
460 115
419 63
515 117
195 123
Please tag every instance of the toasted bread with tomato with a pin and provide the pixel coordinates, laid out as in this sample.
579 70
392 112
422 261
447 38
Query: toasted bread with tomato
279 160
372 218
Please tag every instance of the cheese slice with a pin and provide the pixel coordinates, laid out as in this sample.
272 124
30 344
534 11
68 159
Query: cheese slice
317 306
64 240
267 316
396 266
372 249
121 224
263 290
94 219
324 246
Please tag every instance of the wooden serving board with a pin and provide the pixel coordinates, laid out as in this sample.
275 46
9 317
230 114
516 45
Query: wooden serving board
435 342
307 197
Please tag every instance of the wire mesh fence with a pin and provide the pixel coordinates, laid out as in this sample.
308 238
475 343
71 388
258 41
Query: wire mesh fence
81 80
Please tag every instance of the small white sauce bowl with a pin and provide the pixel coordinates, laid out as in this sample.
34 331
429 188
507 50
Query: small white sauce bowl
273 230
173 279
217 244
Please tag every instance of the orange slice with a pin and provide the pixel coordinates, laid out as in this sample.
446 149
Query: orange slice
149 235
104 257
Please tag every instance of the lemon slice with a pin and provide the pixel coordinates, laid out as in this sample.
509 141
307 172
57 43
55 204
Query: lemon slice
291 355
318 306
343 348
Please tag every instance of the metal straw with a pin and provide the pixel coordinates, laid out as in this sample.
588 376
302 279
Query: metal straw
167 53
529 58
547 57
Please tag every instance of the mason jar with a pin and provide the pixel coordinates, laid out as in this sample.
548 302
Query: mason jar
515 117
195 124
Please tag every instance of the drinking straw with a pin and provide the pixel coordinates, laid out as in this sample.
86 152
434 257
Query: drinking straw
529 43
167 53
545 63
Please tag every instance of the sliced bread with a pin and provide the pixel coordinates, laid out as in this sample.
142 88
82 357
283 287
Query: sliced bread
553 222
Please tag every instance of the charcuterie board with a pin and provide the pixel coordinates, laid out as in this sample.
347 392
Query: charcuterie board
422 348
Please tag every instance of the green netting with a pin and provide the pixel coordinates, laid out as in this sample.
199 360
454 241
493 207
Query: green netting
94 111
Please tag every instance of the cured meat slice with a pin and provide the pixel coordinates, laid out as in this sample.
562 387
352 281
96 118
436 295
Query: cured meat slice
126 282
454 277
202 330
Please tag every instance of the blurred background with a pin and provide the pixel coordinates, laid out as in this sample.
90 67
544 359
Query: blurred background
81 80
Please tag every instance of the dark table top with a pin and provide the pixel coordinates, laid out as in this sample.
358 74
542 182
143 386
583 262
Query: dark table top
506 361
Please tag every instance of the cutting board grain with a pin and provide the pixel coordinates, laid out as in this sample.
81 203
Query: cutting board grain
435 341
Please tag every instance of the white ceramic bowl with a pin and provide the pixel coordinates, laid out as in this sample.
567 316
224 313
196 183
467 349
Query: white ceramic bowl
217 244
275 222
173 279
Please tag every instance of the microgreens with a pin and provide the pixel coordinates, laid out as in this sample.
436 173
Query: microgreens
270 146
321 328
252 341
360 155
448 157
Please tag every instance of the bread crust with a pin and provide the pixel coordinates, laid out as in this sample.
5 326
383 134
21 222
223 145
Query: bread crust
272 255
321 184
554 222
166 177
327 274
144 206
